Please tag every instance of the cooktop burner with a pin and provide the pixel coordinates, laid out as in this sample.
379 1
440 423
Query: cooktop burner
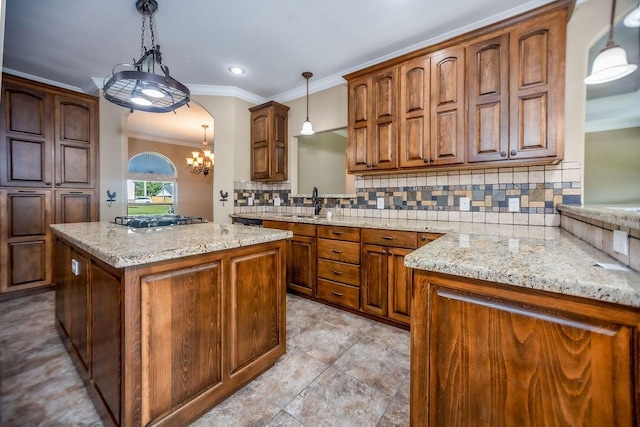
145 221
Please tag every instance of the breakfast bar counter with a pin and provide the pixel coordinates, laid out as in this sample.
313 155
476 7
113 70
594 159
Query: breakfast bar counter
165 322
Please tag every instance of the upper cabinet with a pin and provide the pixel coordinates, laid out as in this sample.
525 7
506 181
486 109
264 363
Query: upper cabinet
269 142
373 121
491 97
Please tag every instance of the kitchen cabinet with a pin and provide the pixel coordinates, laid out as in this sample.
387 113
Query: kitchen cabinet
491 97
269 142
339 265
77 293
373 121
490 354
301 256
516 91
48 174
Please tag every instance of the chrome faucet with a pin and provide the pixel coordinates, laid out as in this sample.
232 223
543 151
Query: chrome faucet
317 204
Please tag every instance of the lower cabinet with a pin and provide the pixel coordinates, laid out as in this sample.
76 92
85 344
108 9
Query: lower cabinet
486 354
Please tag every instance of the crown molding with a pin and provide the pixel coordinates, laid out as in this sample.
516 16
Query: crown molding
41 80
236 92
162 139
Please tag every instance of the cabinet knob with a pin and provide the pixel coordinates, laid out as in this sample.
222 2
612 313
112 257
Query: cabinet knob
514 152
47 183
390 253
503 153
58 184
423 238
383 252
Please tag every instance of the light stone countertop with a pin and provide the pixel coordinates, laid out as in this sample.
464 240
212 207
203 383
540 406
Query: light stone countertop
121 246
626 216
544 258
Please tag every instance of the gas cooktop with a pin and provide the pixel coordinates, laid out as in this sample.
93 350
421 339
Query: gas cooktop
146 221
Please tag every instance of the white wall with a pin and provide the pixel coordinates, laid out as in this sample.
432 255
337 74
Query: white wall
113 159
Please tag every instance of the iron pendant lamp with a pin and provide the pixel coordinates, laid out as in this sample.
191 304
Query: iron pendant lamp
141 88
611 63
307 129
203 160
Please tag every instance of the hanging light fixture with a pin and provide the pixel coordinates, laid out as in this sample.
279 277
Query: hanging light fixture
611 63
203 160
141 88
633 18
307 129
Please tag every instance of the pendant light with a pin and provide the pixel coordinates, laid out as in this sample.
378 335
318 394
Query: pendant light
307 129
611 63
141 88
633 18
201 161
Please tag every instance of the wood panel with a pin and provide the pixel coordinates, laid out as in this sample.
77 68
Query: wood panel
255 301
269 142
373 286
350 234
384 145
398 239
76 206
106 332
78 300
348 252
339 272
260 155
488 89
414 110
399 283
499 355
281 152
338 293
447 107
26 154
302 264
181 336
359 119
62 281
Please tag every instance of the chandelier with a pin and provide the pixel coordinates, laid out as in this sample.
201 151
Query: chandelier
201 161
141 88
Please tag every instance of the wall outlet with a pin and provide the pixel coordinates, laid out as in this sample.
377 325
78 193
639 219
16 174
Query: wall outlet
621 242
276 201
75 267
514 204
465 204
380 203
249 201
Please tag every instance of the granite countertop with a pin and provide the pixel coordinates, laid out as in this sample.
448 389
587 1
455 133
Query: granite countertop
627 216
121 246
544 258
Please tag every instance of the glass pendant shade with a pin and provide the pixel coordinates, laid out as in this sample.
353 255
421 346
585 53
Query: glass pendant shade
633 18
201 161
307 128
610 64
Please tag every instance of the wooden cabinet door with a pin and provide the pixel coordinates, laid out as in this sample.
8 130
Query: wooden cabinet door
76 206
373 287
413 116
78 300
360 116
485 355
447 107
399 286
260 156
302 264
76 136
384 144
537 58
25 241
280 145
62 275
488 99
26 137
105 335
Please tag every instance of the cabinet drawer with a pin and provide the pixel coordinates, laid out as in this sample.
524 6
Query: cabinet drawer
279 225
424 238
397 239
338 293
339 272
350 234
339 251
302 229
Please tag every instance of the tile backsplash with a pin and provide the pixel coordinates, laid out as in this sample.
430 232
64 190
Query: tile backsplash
436 195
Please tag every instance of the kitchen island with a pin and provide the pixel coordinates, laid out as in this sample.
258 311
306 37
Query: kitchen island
165 322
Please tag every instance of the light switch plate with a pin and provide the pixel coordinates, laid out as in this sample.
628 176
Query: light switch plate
380 203
514 204
249 201
75 267
465 204
276 201
621 242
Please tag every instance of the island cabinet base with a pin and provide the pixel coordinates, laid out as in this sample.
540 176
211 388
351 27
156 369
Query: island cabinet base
484 354
160 344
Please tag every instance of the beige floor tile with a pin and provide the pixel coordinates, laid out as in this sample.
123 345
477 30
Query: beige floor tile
396 415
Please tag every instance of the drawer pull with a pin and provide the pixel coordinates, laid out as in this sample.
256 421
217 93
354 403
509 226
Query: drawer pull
388 237
337 233
337 273
338 294
336 251
26 191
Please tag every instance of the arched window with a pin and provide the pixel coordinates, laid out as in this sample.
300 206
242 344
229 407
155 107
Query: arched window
151 184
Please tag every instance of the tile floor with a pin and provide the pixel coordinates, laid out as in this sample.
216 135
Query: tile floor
339 370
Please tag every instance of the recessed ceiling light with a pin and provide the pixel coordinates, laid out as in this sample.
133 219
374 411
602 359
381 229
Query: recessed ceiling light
236 70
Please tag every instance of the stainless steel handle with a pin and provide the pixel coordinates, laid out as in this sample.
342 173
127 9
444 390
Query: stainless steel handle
338 294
